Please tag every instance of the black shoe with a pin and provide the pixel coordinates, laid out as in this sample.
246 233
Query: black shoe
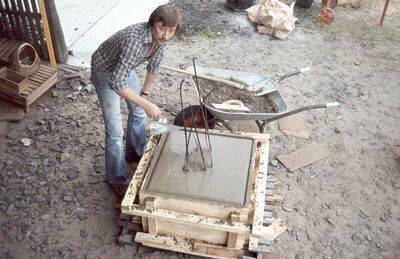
119 190
134 158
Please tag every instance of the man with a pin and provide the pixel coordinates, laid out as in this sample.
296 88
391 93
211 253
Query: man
113 76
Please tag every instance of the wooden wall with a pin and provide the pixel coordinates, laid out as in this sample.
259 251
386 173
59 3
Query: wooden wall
22 20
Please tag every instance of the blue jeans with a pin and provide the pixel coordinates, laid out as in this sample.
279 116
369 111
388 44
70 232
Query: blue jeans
136 127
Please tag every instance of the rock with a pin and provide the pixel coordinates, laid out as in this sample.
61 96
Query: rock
83 233
145 249
82 216
72 175
95 180
32 128
318 247
68 198
335 242
45 217
369 238
337 130
63 251
52 190
13 134
65 157
299 255
287 207
330 221
274 163
126 239
10 209
383 218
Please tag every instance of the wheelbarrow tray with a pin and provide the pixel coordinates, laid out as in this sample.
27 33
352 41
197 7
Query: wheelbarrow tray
251 80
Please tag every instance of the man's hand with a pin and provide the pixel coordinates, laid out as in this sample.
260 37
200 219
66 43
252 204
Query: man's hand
152 110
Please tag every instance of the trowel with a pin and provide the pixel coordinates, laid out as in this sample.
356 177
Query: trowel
266 86
158 127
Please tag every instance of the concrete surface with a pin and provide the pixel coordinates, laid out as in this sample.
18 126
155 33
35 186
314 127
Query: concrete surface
86 24
225 183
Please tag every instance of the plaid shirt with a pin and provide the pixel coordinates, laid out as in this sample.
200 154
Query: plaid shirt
124 51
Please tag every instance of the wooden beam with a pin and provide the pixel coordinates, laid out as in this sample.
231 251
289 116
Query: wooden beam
138 177
152 223
183 245
235 240
188 219
57 35
259 198
47 34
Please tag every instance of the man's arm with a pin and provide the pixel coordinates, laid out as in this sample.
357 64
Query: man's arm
151 109
148 82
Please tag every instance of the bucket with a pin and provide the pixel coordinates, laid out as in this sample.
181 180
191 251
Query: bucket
25 60
237 5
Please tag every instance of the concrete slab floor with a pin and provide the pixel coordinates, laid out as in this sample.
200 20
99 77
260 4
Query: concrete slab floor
228 182
86 24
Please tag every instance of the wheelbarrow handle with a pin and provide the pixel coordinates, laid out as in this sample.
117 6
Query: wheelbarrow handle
331 105
325 105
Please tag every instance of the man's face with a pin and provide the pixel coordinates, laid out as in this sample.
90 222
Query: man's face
162 34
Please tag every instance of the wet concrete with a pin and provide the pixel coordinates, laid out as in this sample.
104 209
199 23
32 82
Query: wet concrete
228 182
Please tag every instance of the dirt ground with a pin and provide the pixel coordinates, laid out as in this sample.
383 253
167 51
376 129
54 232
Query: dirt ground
55 202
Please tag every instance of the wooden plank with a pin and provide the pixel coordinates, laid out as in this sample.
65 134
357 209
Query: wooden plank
192 232
183 245
3 20
11 20
212 250
30 21
259 198
188 219
201 208
236 241
38 28
137 179
151 205
47 34
57 35
23 20
18 22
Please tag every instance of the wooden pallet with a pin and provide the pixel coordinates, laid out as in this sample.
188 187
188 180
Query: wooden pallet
199 227
37 84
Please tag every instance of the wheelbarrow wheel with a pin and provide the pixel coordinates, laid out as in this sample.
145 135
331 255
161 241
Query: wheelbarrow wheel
191 116
304 3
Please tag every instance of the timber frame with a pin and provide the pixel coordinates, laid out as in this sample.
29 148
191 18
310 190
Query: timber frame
198 227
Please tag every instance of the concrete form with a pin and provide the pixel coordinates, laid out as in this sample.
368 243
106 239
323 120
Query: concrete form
199 223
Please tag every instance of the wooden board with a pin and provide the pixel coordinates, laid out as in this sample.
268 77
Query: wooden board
184 245
37 84
304 156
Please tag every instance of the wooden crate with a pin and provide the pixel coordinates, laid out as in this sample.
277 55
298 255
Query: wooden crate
199 227
12 81
36 85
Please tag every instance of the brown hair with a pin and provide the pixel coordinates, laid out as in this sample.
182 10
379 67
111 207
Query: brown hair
168 15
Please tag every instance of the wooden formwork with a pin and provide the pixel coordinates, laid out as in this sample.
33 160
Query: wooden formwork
199 227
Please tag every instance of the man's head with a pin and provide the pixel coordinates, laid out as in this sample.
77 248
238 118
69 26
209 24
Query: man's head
164 22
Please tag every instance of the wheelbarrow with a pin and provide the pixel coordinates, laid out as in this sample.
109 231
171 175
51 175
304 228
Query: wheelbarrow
260 85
